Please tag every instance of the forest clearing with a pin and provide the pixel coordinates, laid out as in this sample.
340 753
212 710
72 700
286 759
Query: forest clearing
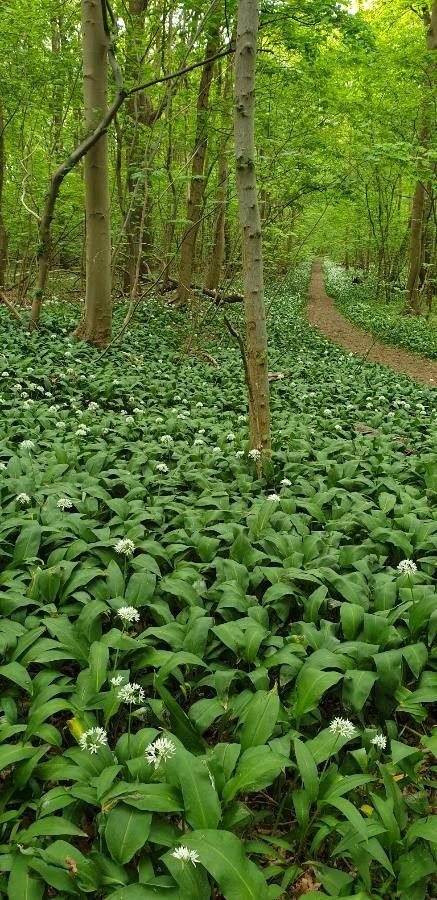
218 455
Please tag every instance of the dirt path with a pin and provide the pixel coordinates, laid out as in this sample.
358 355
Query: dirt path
323 314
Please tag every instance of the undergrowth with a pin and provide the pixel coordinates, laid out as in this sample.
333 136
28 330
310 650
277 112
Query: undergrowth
384 320
214 685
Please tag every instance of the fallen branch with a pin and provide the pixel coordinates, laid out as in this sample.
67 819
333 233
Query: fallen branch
217 297
11 307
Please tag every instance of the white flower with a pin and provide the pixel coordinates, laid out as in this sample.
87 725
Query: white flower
380 741
254 453
24 499
82 431
159 419
241 418
201 431
230 437
125 547
60 425
343 727
198 442
327 412
2 465
286 482
5 374
128 614
185 855
407 567
131 693
199 405
239 453
92 406
93 739
275 498
166 439
137 410
216 450
27 445
117 680
64 503
161 749
161 467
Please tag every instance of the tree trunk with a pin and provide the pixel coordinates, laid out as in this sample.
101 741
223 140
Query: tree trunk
418 225
197 185
415 259
95 327
214 273
3 233
248 208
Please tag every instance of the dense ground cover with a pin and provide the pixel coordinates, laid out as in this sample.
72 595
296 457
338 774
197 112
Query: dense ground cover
196 658
384 320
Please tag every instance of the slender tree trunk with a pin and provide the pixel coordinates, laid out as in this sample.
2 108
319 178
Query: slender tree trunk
214 273
418 225
256 331
3 233
95 327
415 259
197 184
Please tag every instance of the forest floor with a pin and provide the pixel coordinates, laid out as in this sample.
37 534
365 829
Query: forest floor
323 314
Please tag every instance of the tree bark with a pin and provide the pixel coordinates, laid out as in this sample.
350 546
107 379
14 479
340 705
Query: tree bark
197 184
249 215
3 233
418 238
95 326
214 272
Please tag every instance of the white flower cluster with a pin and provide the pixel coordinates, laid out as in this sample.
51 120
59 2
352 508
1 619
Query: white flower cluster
286 482
125 547
27 445
380 741
161 467
64 503
343 727
128 614
93 739
166 439
254 453
185 855
24 499
275 498
407 567
161 749
131 693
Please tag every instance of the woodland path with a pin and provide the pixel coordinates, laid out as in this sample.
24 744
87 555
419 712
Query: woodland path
325 316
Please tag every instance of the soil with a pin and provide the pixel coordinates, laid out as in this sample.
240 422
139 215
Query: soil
325 316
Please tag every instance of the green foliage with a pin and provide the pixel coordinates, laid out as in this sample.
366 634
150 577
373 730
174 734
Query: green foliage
384 320
254 622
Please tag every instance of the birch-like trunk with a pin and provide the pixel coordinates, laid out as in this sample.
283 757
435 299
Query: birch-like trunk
249 215
95 326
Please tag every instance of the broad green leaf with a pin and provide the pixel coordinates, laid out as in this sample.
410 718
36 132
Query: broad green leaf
222 855
259 719
311 684
126 832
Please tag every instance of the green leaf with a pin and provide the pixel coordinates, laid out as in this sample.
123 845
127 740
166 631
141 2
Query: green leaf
22 884
311 684
259 718
307 769
27 543
257 768
49 825
126 832
201 803
222 855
